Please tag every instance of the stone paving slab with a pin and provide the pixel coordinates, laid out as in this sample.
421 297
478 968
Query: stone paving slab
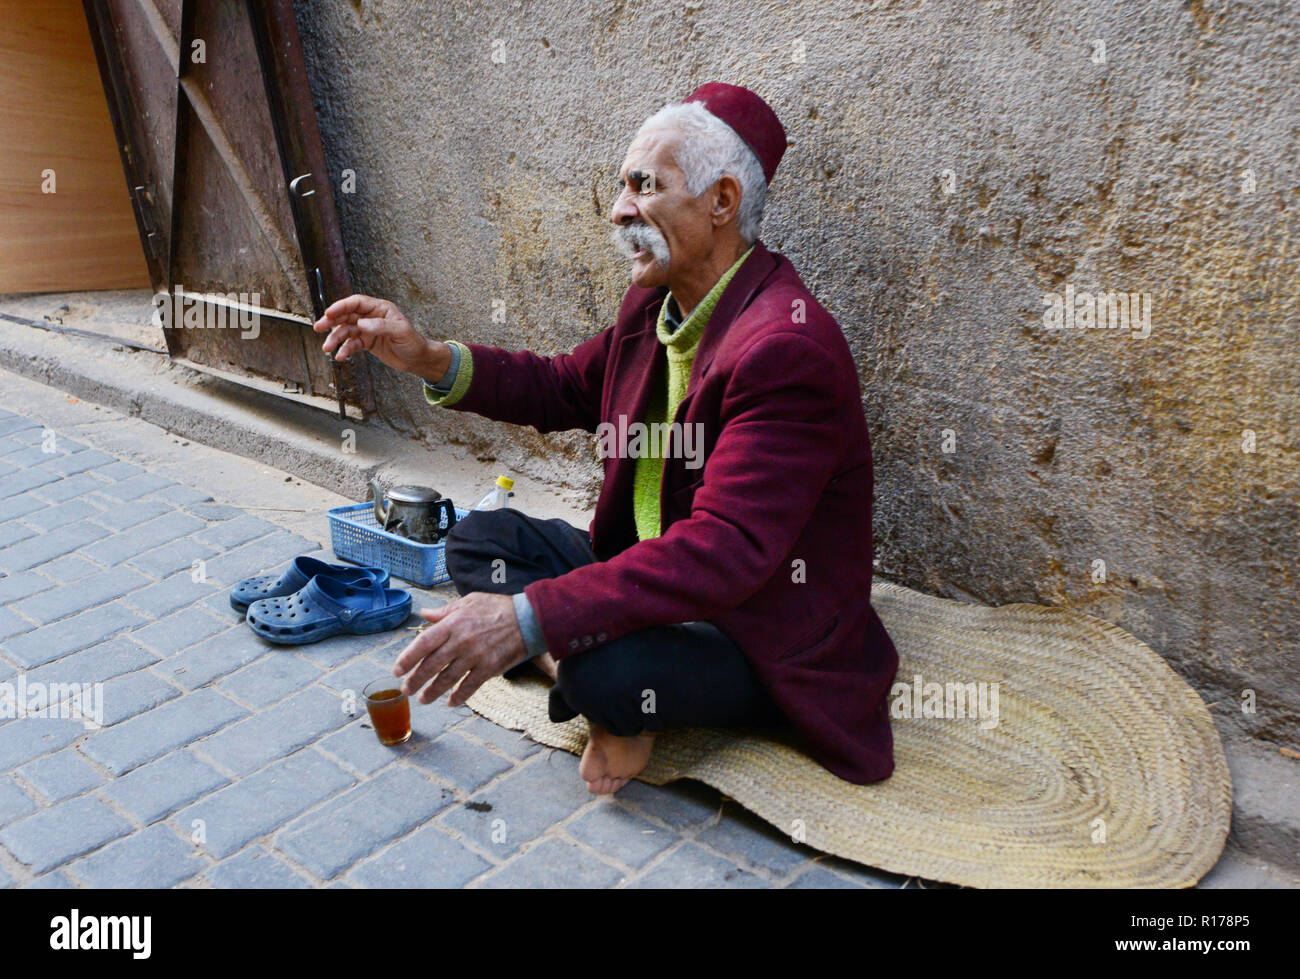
223 761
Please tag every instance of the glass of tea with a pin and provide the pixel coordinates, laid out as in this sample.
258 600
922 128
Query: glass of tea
390 711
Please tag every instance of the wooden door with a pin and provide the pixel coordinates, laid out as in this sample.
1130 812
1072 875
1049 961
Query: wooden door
234 205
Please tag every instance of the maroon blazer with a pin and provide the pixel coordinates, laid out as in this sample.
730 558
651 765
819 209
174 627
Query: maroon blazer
770 540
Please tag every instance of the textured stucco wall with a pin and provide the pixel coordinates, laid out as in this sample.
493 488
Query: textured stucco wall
481 180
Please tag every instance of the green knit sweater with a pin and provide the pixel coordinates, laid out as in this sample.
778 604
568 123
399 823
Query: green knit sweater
679 346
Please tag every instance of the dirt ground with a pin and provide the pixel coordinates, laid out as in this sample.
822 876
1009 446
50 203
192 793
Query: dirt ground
121 313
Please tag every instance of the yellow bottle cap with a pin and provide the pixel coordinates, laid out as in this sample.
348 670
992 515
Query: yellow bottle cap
505 482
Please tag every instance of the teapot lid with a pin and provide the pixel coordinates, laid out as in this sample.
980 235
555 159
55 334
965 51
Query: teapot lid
413 494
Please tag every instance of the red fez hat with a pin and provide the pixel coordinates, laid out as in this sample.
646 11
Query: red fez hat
751 118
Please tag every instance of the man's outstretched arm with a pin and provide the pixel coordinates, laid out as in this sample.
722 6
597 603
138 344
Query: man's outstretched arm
551 394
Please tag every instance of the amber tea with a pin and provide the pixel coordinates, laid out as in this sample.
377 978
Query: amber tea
390 712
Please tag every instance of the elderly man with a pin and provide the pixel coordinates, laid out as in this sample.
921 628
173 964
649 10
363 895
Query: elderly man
726 578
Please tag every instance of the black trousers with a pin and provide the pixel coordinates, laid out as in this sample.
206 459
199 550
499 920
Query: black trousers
685 675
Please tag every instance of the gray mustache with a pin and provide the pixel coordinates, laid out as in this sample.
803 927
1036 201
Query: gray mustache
630 238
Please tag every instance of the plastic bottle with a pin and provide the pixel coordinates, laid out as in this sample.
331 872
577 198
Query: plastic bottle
498 496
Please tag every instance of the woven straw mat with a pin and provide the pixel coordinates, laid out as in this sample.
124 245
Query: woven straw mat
1104 768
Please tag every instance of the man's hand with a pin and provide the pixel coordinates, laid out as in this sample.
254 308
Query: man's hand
365 323
475 637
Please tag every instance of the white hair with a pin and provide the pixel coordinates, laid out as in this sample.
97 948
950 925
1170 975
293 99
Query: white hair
709 149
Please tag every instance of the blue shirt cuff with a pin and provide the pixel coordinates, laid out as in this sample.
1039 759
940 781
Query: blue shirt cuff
534 641
447 380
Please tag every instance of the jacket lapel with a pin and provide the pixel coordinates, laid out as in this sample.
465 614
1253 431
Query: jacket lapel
740 290
635 367
638 365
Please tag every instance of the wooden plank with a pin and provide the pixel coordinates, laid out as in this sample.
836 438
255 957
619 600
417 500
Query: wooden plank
82 236
137 55
297 135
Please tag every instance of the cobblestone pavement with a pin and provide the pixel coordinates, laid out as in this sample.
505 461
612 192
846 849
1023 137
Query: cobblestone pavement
224 761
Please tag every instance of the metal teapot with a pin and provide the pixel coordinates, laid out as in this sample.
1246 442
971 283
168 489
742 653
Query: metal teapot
415 512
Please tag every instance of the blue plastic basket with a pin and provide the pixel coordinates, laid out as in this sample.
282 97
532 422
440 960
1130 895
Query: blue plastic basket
356 536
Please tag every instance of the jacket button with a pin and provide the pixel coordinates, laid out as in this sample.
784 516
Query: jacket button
573 644
602 637
586 640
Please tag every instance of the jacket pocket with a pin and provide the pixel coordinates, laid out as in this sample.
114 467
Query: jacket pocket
682 496
815 640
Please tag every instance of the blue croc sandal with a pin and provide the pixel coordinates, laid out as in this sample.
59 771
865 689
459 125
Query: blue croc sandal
301 571
328 607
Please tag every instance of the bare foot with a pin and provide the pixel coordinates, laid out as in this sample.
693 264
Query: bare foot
546 663
610 762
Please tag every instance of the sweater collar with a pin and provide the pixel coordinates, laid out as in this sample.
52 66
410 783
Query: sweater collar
683 335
